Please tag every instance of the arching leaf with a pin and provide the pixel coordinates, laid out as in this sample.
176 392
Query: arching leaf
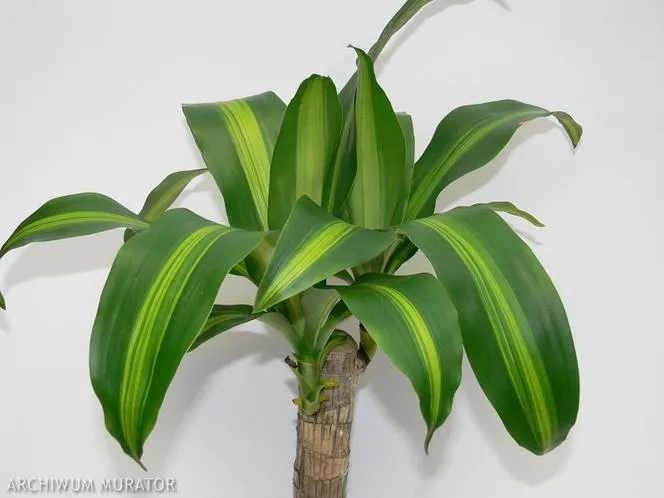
467 139
73 216
514 326
224 317
157 298
413 320
164 195
313 246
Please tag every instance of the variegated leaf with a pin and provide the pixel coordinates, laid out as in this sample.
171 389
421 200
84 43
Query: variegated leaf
514 326
380 182
413 320
222 318
305 148
157 298
73 216
236 139
467 139
313 246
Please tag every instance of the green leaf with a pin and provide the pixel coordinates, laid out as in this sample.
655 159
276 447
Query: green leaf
305 148
398 21
3 305
164 195
157 298
509 208
514 325
317 306
341 174
222 318
73 216
344 167
236 139
467 139
313 246
413 320
381 154
406 123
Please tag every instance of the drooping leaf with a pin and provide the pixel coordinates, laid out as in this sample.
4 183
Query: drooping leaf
73 216
305 148
3 305
509 208
157 298
164 195
514 326
222 318
381 154
313 246
414 322
467 139
236 139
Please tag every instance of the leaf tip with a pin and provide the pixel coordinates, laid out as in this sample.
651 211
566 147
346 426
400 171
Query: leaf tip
427 440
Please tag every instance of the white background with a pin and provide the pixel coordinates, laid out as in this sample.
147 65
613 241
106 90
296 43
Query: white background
89 101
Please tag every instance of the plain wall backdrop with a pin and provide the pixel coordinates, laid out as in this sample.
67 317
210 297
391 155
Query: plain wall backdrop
90 95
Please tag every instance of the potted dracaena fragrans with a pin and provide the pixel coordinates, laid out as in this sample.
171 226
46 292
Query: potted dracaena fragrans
325 202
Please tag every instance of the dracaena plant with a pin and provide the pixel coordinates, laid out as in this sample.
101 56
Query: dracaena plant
325 202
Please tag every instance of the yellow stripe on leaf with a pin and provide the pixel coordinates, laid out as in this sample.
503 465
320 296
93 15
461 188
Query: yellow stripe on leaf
245 132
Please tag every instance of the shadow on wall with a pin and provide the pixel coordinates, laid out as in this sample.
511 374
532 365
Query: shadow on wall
392 388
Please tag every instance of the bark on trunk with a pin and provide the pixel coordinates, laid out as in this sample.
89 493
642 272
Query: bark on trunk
323 439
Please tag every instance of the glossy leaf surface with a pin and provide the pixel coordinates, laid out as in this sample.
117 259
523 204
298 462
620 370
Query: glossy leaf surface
381 154
514 326
313 246
467 139
236 139
413 320
305 148
156 300
73 216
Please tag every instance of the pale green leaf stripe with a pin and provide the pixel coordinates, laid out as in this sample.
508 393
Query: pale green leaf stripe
314 125
426 347
524 367
213 322
64 220
145 344
327 238
466 142
245 132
